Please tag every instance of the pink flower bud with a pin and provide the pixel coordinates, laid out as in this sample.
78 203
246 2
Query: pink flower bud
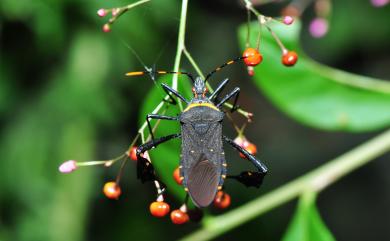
288 20
251 71
241 141
115 11
318 27
68 166
106 28
379 3
101 12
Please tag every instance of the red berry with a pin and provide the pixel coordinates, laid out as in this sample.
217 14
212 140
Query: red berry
179 217
222 200
250 147
159 209
176 176
112 190
252 57
133 153
289 58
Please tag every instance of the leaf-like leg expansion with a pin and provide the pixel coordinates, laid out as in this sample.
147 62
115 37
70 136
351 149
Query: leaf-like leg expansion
145 169
249 178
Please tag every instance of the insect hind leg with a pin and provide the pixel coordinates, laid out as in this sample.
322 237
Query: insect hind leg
248 178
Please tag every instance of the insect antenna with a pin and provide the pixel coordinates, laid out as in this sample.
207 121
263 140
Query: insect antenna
222 66
132 50
153 72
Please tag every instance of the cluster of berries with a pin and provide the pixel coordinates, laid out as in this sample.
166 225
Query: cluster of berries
252 56
116 13
158 208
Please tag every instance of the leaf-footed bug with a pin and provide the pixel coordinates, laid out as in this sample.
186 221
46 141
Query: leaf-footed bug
202 164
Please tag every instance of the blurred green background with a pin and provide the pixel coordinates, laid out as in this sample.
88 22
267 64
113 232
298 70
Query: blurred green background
63 95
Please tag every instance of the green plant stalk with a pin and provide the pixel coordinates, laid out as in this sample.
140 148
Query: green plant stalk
315 180
179 52
358 81
124 9
180 45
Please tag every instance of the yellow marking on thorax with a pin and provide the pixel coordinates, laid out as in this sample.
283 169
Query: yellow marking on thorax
201 104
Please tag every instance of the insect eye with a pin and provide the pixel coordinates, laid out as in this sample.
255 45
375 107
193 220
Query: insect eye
193 89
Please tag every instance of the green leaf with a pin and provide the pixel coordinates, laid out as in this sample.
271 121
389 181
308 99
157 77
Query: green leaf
317 95
166 156
307 224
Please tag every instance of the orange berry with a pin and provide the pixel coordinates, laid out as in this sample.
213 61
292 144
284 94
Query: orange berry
179 217
133 153
252 57
290 58
222 200
176 176
112 190
159 209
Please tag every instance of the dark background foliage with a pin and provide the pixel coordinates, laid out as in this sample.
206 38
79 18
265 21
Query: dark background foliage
63 95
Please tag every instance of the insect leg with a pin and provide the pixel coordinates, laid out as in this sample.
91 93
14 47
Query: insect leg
169 90
235 93
218 90
158 117
145 169
248 178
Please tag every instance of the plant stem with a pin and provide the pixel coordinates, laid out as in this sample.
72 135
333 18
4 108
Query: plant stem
315 180
356 81
179 52
130 6
180 45
124 9
249 6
